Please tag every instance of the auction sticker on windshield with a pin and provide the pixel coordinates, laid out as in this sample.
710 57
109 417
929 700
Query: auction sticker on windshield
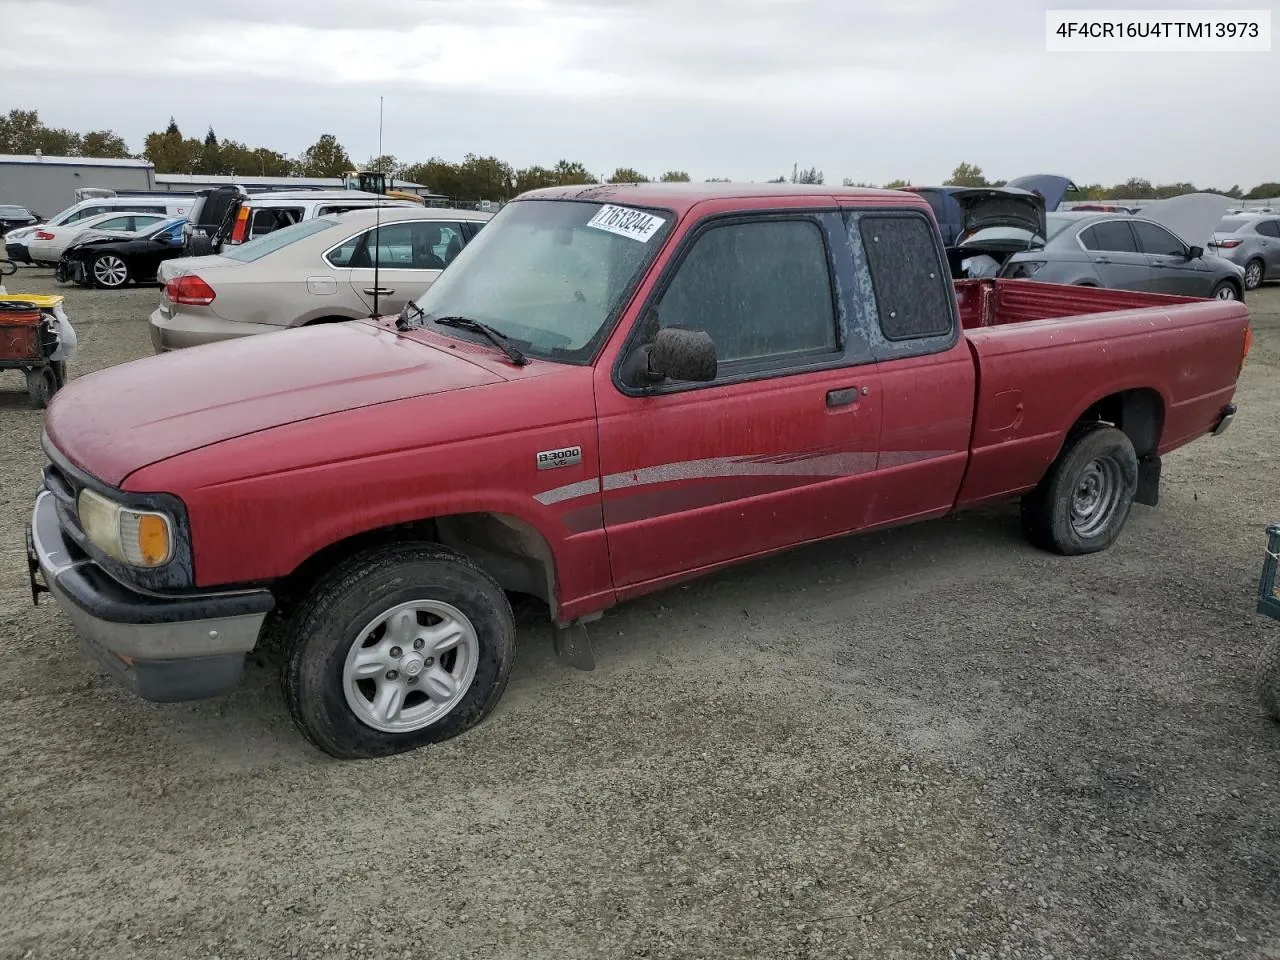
626 222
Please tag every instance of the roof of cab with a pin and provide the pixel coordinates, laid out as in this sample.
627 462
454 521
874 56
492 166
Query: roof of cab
680 197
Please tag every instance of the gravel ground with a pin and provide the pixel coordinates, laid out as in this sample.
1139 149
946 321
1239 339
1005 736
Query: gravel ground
935 742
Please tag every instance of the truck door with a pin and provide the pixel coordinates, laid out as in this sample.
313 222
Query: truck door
780 447
1116 259
927 375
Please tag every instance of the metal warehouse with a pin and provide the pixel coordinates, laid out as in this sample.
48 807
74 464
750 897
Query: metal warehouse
46 185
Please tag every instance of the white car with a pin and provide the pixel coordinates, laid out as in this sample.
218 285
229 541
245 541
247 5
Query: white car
47 243
165 205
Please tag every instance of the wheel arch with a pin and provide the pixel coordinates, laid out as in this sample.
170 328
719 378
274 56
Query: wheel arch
1138 412
511 550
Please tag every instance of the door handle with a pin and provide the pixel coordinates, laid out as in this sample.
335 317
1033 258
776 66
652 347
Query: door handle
1157 265
1101 259
380 291
844 396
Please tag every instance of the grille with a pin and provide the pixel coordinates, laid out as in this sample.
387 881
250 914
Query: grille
65 489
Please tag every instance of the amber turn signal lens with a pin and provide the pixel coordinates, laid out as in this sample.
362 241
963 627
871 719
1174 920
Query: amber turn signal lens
153 539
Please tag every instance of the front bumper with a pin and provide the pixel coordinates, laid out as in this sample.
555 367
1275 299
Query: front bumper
164 648
174 331
17 252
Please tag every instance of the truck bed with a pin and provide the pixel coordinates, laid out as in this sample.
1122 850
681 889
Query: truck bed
1031 343
994 303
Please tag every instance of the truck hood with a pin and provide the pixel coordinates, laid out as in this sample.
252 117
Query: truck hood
1192 216
982 207
119 420
1051 186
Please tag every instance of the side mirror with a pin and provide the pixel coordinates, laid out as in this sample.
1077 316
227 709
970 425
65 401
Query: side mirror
1194 253
676 353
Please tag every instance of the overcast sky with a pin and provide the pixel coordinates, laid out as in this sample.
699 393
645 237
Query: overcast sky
868 89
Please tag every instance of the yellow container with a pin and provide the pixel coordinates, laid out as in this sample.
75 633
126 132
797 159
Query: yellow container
44 302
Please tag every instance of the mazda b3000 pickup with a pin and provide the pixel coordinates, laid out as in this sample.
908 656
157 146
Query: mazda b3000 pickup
612 389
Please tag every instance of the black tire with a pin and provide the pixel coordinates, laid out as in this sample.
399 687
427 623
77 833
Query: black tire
92 273
1052 518
42 384
1253 278
60 372
1267 681
199 246
320 630
1226 287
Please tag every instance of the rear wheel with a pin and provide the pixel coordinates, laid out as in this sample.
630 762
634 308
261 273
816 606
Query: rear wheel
1082 503
396 648
1253 275
109 271
1226 290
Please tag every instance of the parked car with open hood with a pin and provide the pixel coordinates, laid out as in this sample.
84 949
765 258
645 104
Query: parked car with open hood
1162 250
944 200
1252 242
111 261
319 270
13 217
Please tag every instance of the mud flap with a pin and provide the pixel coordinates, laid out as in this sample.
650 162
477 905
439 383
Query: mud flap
1148 492
573 645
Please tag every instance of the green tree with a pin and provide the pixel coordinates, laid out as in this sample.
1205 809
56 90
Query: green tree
105 144
1264 191
966 175
22 132
675 176
850 182
384 164
811 175
896 184
717 180
534 178
627 175
210 160
170 152
778 180
324 158
485 178
569 173
1135 188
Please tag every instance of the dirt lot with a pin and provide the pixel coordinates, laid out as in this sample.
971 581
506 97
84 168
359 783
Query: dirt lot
935 742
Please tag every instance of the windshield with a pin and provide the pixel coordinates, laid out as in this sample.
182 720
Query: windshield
259 247
550 274
8 211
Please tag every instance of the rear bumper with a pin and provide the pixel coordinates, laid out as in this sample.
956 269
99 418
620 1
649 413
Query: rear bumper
162 648
178 330
17 252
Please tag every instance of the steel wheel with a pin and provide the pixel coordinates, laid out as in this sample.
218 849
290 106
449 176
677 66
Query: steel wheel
410 666
1097 496
1253 275
110 271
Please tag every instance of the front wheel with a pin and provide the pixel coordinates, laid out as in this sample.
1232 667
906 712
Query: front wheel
396 648
109 271
1082 503
1226 290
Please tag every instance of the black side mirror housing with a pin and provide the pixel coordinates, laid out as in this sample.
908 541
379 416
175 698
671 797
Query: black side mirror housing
676 353
1195 252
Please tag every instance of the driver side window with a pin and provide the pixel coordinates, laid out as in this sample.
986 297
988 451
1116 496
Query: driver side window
761 290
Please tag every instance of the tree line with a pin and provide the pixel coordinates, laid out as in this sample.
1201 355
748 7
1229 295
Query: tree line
473 178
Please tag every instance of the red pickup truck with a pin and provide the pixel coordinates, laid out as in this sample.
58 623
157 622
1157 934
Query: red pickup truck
612 389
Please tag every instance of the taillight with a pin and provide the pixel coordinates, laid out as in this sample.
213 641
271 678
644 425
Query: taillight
1225 244
43 235
1248 342
1021 269
189 289
241 230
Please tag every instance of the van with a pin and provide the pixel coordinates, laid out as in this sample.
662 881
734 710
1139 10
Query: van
164 204
228 216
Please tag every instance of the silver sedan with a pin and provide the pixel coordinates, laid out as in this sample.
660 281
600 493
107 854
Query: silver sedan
1252 242
1118 251
316 271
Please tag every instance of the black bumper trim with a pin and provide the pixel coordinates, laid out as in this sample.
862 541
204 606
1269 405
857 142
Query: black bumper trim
105 598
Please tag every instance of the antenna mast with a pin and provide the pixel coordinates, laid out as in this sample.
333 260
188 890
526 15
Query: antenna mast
377 225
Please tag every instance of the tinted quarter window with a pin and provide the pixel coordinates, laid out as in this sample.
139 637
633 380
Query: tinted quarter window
1269 228
1112 235
912 287
760 289
1153 238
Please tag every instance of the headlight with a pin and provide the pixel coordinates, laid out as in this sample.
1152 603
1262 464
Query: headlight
141 538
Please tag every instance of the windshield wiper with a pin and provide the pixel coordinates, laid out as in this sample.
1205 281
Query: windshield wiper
410 306
499 340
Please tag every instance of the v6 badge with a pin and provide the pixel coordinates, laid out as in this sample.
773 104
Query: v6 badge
564 457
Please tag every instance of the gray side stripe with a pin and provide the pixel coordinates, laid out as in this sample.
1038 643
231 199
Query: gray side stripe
569 491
